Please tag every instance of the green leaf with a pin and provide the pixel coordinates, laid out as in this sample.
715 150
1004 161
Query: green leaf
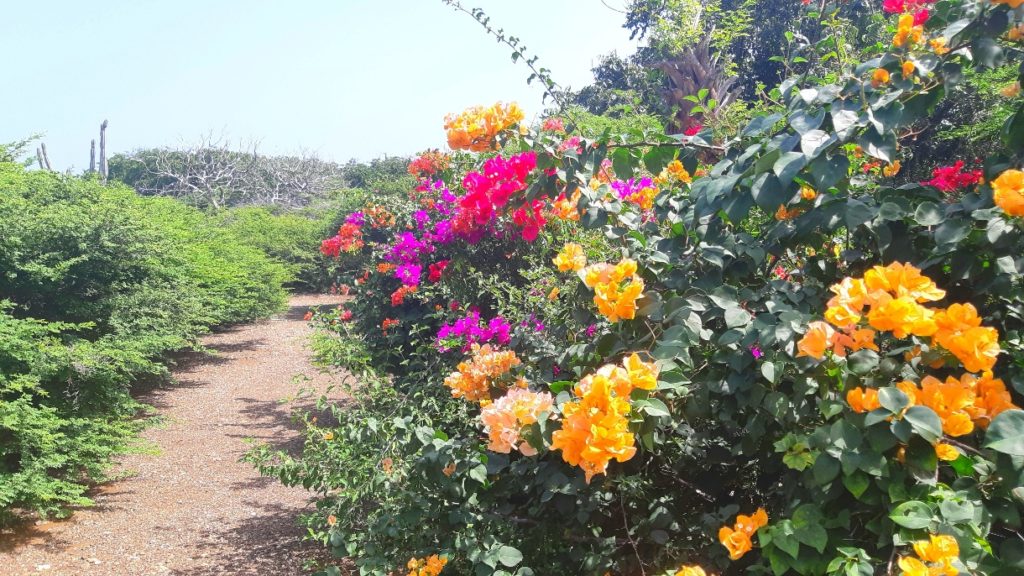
913 514
928 214
736 316
893 399
1006 433
925 422
509 556
768 192
856 483
789 165
814 141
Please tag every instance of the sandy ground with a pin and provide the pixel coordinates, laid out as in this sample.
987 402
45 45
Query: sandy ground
193 508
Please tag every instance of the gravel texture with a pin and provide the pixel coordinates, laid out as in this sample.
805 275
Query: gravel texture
192 508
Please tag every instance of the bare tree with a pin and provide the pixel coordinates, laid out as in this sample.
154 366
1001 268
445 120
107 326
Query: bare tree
103 151
213 173
92 157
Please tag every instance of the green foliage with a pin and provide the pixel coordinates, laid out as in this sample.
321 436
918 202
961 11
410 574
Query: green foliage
290 239
97 285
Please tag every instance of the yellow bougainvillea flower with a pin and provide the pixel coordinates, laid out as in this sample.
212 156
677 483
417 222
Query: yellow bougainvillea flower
913 567
642 375
690 571
946 452
1008 192
553 295
938 548
808 193
894 168
907 34
616 288
571 257
863 400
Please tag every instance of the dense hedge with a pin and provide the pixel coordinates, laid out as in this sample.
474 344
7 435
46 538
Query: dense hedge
96 285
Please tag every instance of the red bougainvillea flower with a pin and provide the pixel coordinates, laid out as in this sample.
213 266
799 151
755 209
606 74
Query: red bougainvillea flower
436 270
695 128
951 178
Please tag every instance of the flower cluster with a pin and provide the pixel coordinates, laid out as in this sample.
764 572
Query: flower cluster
961 404
348 239
476 128
893 296
429 163
674 172
436 269
398 296
379 216
488 193
616 288
387 324
935 557
567 208
1008 192
429 566
908 31
571 257
595 428
474 377
471 329
505 418
640 192
952 178
736 539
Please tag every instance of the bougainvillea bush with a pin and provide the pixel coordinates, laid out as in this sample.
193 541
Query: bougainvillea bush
764 354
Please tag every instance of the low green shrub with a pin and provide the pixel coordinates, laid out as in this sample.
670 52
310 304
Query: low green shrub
97 284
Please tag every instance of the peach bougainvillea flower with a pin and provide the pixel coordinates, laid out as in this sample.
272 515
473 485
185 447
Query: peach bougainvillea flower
1008 192
505 418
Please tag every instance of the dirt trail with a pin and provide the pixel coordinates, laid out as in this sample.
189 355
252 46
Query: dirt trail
193 508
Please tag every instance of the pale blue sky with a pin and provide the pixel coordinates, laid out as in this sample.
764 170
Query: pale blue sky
340 78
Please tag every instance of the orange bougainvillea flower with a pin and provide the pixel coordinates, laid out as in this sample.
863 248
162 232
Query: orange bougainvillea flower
894 168
571 257
1008 192
902 316
429 566
1011 3
908 70
690 571
595 427
879 77
907 33
737 538
474 377
476 128
938 46
676 170
737 542
567 208
913 567
902 280
808 193
863 400
616 288
817 339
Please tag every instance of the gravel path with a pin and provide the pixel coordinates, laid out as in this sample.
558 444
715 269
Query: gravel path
193 508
